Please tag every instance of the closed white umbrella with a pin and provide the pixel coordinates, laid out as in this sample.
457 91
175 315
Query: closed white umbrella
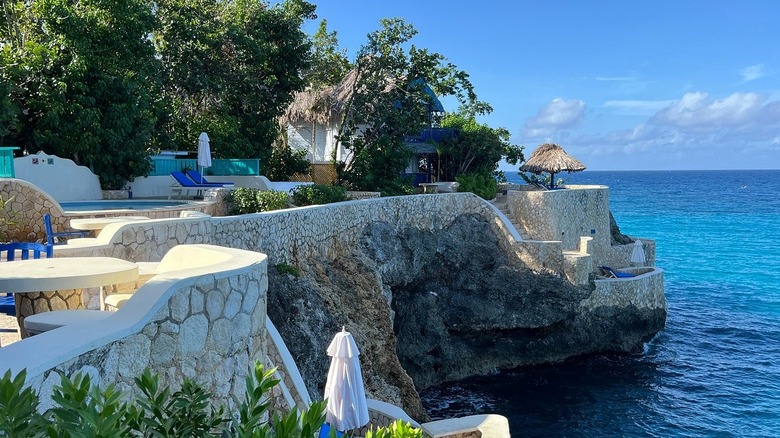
638 254
346 408
204 153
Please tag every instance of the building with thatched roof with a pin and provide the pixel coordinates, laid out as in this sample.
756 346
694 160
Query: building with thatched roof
551 158
312 120
312 123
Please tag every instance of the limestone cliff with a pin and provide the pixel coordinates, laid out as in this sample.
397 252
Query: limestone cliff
432 306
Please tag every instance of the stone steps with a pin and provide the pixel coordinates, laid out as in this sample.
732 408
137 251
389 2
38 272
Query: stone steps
500 203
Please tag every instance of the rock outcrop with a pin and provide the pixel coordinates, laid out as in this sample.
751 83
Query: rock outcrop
427 307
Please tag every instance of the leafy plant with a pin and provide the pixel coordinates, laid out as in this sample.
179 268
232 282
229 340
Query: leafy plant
18 413
397 429
286 162
284 268
318 194
476 149
483 185
84 410
245 200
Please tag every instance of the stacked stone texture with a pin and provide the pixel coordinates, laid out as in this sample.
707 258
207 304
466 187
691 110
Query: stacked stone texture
211 332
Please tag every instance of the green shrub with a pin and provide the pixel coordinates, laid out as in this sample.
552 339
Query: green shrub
245 200
397 187
318 194
284 268
84 410
482 185
397 429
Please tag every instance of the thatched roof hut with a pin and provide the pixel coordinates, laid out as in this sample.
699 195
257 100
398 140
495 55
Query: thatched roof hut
551 158
321 106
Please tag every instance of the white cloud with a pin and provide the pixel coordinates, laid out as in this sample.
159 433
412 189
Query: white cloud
752 72
557 115
638 107
695 111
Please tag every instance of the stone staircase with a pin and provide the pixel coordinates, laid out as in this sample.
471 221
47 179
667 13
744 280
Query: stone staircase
501 204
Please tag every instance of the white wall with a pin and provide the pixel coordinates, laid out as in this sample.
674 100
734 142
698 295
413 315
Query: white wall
59 177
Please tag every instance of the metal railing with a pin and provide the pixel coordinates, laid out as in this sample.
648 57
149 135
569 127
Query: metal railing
7 161
221 167
432 134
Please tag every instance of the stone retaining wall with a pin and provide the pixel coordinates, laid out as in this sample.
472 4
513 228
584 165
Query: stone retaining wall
565 215
288 236
209 327
29 204
645 291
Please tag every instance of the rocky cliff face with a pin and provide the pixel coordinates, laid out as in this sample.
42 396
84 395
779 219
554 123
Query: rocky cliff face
431 306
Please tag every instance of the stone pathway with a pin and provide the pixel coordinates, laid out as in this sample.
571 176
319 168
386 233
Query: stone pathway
8 330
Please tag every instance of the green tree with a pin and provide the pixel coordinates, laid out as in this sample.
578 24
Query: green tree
85 79
329 63
231 70
389 101
477 149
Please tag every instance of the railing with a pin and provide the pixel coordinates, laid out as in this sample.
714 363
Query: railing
7 161
433 134
223 167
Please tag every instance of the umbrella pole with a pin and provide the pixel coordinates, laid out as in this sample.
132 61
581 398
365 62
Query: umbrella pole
552 180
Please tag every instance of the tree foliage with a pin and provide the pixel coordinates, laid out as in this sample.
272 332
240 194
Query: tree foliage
388 101
83 82
329 63
477 149
231 69
101 82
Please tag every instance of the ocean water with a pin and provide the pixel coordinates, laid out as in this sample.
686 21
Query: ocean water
715 370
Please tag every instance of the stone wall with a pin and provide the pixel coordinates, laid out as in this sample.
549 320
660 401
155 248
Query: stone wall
287 235
61 178
30 203
565 215
619 256
209 327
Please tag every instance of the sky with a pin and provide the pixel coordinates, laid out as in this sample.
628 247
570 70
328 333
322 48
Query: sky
620 85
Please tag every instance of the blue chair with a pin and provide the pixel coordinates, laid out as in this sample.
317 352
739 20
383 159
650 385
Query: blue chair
611 273
326 431
8 252
51 235
199 179
185 183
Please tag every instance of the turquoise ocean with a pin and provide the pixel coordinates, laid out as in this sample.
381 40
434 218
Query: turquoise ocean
715 369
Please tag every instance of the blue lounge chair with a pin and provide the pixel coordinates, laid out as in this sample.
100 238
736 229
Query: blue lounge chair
8 252
611 273
199 179
185 183
51 235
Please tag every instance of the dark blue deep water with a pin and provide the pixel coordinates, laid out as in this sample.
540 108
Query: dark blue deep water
715 370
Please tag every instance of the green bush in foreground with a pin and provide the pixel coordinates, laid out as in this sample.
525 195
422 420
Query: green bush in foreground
84 410
245 200
482 185
318 194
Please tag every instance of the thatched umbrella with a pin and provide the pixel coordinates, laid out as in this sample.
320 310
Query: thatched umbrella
551 158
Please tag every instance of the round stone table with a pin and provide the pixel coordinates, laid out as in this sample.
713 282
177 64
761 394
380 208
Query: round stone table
41 285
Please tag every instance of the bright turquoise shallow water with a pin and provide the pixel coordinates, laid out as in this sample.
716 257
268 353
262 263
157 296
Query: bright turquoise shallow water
715 370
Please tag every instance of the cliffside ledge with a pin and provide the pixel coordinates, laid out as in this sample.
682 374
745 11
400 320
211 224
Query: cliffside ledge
432 306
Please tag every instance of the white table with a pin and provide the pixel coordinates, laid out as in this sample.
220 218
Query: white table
98 223
48 284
